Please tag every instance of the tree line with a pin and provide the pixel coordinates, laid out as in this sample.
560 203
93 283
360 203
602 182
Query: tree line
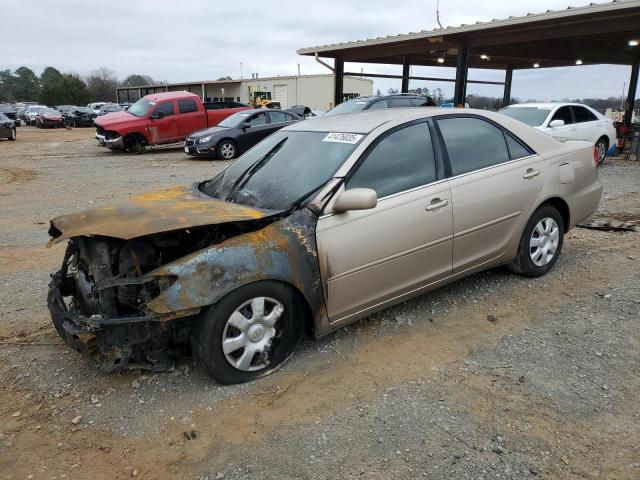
52 87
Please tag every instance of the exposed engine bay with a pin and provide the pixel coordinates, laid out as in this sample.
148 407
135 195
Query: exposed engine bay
99 298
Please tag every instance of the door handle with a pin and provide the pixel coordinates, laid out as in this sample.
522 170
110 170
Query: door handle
436 203
531 173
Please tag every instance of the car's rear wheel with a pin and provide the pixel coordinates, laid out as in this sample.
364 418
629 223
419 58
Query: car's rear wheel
602 145
541 243
12 134
227 150
249 333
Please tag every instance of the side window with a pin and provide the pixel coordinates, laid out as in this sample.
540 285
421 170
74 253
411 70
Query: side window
583 115
260 119
290 118
472 144
166 108
378 104
563 113
516 149
277 117
402 160
400 102
187 106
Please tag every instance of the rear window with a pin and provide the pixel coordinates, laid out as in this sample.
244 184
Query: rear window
187 106
533 116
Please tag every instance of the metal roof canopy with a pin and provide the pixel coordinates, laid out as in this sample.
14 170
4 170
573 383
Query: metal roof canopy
594 34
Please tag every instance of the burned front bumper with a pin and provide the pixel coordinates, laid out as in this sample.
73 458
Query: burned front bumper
111 143
140 341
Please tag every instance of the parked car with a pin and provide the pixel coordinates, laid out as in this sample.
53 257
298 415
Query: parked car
570 121
320 224
7 127
78 116
381 101
31 113
109 108
96 106
238 133
159 118
49 117
10 112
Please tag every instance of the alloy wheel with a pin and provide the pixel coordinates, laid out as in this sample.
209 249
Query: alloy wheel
249 333
544 242
602 151
227 150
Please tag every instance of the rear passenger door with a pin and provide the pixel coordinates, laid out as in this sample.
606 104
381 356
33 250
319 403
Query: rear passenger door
191 119
587 125
495 180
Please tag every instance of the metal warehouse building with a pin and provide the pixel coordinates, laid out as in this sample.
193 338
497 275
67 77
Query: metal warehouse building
314 91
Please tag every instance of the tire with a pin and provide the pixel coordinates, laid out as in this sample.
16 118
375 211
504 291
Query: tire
535 261
136 146
227 150
12 135
602 145
222 321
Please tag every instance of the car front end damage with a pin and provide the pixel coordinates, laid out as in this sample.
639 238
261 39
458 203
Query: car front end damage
109 138
128 292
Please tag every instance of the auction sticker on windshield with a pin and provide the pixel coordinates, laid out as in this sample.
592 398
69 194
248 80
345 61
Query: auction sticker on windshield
351 138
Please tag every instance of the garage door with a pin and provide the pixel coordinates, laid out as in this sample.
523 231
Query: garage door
280 95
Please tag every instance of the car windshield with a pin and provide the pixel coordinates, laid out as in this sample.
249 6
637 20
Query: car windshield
282 169
34 109
6 109
534 116
141 107
83 110
236 119
348 107
49 111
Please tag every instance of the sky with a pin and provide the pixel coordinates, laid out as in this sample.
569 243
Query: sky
190 40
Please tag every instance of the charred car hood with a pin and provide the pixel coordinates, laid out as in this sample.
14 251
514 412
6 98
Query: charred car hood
153 212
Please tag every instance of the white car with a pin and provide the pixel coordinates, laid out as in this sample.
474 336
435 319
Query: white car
568 121
96 106
31 112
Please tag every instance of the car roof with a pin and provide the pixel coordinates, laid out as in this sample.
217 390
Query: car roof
546 104
170 96
368 120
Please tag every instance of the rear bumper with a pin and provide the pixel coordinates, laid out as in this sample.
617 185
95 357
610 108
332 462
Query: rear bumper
112 144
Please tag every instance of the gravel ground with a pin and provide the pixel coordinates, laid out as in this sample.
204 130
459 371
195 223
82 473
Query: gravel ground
495 376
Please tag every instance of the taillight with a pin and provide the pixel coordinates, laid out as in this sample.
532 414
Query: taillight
596 156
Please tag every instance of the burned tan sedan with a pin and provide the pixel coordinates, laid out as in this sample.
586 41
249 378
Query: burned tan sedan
320 224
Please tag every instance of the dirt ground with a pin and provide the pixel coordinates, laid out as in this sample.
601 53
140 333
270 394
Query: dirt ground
495 376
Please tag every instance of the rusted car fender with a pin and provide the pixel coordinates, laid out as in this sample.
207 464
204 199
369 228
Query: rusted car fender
283 251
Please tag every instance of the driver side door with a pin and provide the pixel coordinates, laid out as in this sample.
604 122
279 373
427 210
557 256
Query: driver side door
165 129
255 129
375 257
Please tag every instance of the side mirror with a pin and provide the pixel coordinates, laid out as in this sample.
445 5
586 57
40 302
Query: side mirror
157 115
356 199
245 126
556 123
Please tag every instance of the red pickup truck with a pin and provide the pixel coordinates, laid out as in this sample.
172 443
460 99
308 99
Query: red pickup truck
160 118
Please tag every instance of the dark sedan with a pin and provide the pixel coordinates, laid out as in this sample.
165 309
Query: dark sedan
78 116
237 133
11 113
7 127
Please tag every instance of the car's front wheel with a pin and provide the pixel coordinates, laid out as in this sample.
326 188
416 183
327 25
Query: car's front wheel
541 243
249 333
12 134
227 150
